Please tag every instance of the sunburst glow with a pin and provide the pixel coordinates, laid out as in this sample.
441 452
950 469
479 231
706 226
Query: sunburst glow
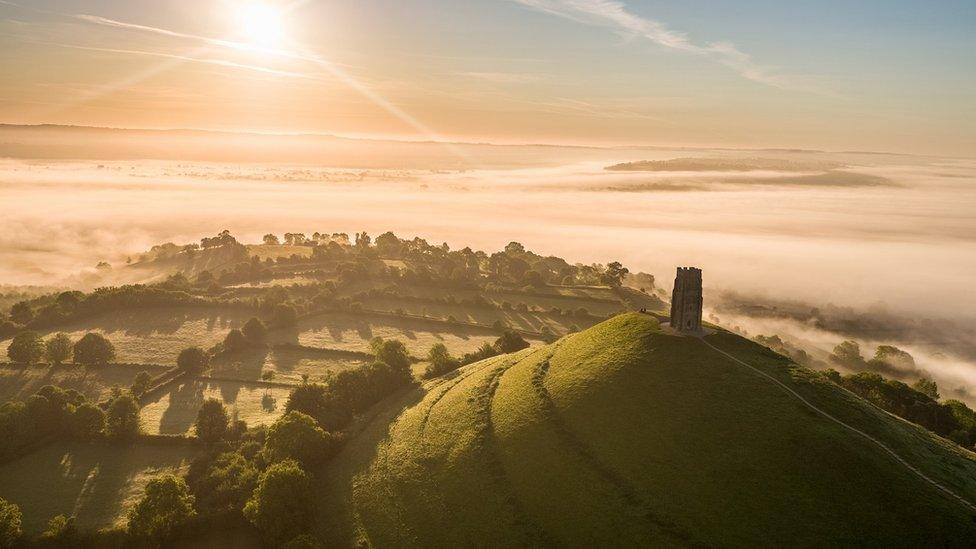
261 24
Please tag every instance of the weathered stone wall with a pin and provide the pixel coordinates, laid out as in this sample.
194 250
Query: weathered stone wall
686 300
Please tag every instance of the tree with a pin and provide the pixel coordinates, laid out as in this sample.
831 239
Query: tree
192 360
141 383
514 248
614 275
255 331
235 341
26 347
21 312
122 419
927 387
510 341
10 519
388 245
440 360
93 349
282 504
58 348
284 315
271 240
848 353
166 505
893 358
296 436
212 421
87 420
394 353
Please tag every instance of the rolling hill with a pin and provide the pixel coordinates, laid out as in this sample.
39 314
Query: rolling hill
629 434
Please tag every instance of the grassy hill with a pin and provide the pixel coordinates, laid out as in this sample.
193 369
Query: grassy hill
627 433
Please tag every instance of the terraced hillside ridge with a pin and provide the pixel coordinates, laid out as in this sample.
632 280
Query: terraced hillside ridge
627 435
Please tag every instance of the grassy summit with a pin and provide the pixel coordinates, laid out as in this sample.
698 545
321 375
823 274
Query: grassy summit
624 433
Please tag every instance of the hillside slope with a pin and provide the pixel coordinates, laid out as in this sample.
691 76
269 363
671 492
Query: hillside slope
625 434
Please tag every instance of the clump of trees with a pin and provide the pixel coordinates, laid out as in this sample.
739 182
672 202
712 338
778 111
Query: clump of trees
55 412
918 403
349 392
165 507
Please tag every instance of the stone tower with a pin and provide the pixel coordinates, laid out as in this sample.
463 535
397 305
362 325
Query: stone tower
686 300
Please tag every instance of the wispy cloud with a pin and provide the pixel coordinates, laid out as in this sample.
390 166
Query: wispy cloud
614 15
187 58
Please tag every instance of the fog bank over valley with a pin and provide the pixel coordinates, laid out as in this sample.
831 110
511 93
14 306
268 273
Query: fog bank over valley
867 232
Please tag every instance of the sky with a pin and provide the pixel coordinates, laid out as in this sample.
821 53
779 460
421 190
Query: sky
890 75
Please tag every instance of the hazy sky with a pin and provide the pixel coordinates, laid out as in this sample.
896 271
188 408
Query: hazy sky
835 74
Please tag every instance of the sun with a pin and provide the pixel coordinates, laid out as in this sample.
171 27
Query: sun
260 24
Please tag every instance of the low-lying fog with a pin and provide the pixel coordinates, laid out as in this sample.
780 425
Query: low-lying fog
857 230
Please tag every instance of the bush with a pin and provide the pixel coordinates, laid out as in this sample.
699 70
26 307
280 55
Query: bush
295 436
282 504
58 348
165 507
212 421
93 349
192 360
26 347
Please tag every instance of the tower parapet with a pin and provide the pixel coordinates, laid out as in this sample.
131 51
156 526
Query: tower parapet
686 300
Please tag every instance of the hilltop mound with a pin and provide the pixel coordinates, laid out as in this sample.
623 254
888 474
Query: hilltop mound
627 434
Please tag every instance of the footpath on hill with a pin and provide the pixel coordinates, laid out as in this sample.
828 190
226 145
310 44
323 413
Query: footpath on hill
847 426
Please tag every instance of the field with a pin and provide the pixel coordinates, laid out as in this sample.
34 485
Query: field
283 282
156 335
644 437
353 333
18 383
484 316
264 251
95 483
174 412
288 365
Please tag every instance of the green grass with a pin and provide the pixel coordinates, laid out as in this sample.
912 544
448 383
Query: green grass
95 483
484 316
18 383
353 333
173 412
625 435
156 335
287 364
